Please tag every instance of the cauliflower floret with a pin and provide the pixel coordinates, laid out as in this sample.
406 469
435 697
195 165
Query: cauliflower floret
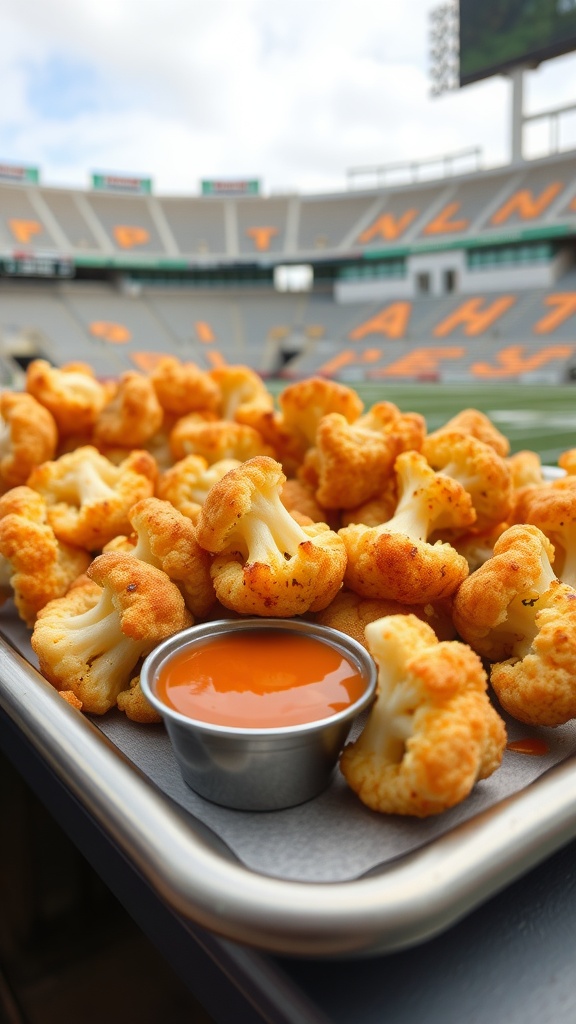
266 563
351 462
553 510
165 538
431 733
350 613
35 566
478 424
243 393
298 497
481 471
182 388
304 403
517 614
567 461
136 706
396 560
88 497
132 416
71 393
526 469
187 482
91 640
28 436
215 440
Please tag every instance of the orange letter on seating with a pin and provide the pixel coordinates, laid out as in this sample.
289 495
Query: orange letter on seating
442 225
204 332
388 227
128 236
565 303
419 362
341 359
475 319
261 237
513 361
391 321
23 230
115 333
524 204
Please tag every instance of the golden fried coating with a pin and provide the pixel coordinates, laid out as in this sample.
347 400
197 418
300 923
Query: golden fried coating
165 538
478 424
28 436
396 560
349 613
132 416
304 403
526 469
484 474
243 394
91 640
265 562
88 497
187 482
71 393
136 706
350 463
182 387
297 496
431 733
553 510
215 440
37 567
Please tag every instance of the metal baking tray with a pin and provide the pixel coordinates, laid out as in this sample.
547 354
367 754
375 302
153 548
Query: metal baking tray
401 904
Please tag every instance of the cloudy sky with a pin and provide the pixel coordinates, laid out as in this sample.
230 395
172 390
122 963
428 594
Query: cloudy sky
295 93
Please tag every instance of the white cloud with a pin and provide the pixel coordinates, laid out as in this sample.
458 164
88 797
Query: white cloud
293 93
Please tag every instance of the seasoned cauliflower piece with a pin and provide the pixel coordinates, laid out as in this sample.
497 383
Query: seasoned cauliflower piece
136 706
517 614
526 469
553 510
35 566
481 471
215 440
478 424
396 560
182 388
71 393
431 733
91 640
165 538
243 393
350 613
567 461
28 436
265 562
132 416
88 497
351 462
304 403
298 497
187 482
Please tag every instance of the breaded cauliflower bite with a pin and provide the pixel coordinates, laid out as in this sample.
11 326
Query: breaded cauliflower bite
91 640
432 732
71 393
136 706
552 509
479 468
187 482
214 440
243 394
517 614
165 538
28 437
396 560
88 497
477 424
351 462
35 565
304 403
182 388
349 613
132 416
265 562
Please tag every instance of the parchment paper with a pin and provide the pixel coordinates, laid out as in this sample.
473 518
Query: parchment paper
333 838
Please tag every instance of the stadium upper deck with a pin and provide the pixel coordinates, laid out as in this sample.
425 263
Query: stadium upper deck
467 277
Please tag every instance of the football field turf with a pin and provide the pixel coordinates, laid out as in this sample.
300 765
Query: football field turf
539 417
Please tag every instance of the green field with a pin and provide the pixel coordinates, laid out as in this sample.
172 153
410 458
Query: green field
539 417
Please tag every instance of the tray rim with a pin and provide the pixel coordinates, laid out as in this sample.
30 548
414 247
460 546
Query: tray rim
408 901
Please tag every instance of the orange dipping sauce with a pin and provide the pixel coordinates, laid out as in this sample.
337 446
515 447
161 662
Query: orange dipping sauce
262 679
